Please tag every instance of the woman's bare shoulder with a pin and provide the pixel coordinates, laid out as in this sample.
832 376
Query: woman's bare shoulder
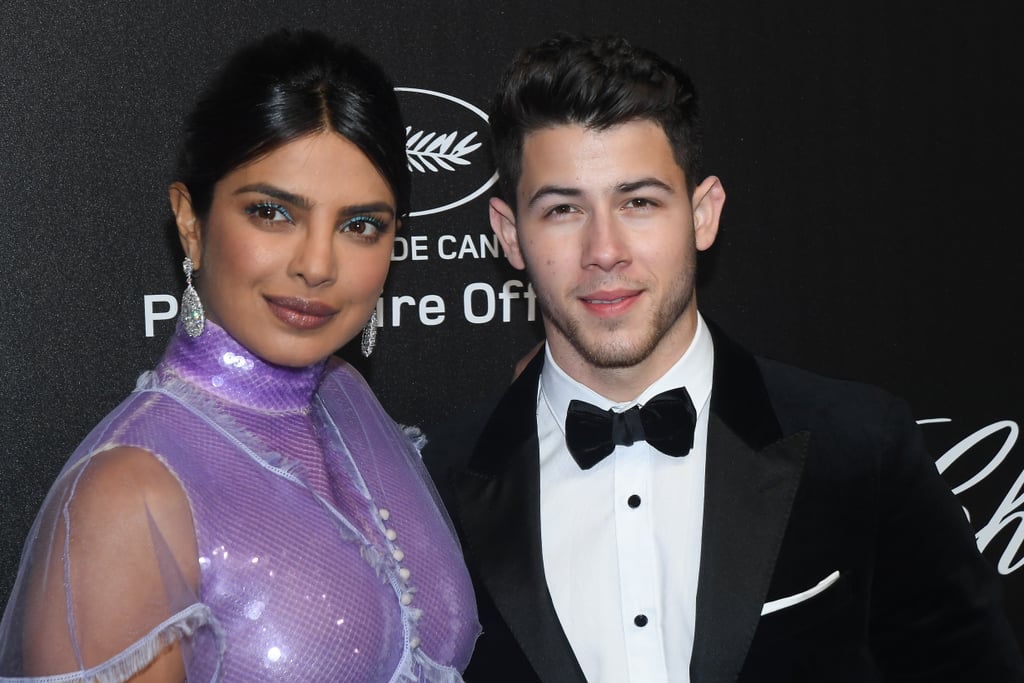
122 537
125 480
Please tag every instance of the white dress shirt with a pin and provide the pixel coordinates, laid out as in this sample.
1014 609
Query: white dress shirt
621 541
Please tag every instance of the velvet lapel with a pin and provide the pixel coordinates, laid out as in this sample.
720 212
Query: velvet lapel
498 499
751 479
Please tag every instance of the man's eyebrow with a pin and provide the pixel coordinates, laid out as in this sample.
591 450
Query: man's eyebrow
549 190
621 188
643 183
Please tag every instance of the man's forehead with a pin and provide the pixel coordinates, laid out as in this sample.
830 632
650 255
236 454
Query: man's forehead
610 159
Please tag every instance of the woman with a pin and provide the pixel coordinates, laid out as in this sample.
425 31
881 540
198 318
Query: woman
250 512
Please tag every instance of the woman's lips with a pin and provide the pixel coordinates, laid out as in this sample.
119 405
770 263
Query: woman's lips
301 313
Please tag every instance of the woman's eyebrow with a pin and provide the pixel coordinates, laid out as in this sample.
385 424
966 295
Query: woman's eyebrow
277 193
306 204
373 207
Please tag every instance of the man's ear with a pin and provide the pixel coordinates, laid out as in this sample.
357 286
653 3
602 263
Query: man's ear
188 224
708 199
503 223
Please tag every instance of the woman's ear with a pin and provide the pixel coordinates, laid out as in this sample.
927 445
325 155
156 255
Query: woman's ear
188 224
503 223
708 199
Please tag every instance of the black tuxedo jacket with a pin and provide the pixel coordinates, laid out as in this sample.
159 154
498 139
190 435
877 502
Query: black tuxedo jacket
805 476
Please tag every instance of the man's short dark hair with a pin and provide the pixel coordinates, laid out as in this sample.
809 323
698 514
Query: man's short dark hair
597 82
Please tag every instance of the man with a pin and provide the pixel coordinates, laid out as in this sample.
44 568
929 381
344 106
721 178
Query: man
709 516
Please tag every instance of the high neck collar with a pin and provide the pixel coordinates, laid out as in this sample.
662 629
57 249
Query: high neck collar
216 363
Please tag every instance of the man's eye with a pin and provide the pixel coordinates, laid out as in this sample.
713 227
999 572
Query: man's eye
639 203
561 210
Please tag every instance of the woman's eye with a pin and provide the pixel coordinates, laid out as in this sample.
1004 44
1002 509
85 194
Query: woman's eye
364 226
270 212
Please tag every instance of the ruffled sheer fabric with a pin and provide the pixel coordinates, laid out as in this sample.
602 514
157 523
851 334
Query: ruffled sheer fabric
105 611
237 521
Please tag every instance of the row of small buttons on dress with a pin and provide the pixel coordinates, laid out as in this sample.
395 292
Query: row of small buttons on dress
403 572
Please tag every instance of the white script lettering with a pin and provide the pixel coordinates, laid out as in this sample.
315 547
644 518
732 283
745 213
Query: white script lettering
1010 510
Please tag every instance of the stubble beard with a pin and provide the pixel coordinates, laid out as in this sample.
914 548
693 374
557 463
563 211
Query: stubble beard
607 344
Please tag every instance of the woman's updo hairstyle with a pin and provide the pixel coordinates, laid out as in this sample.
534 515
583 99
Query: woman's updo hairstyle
283 87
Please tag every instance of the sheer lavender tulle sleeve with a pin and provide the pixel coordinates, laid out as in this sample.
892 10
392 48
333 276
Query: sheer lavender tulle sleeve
101 592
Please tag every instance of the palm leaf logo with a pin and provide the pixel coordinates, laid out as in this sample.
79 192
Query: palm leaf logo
438 151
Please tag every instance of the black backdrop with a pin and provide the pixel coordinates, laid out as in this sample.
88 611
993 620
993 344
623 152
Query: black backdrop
870 152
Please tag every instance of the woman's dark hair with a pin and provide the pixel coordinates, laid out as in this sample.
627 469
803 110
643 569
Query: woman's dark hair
282 87
597 82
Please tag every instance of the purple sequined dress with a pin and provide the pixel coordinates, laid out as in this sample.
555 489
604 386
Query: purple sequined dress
323 555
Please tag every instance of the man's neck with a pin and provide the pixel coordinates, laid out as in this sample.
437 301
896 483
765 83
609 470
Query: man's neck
623 384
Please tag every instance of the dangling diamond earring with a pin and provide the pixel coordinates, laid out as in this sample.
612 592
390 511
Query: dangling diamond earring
192 316
370 334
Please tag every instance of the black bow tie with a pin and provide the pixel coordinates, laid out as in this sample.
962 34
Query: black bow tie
665 422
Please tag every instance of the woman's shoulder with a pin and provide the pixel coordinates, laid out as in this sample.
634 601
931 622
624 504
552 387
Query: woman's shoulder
130 489
343 381
340 370
125 474
116 531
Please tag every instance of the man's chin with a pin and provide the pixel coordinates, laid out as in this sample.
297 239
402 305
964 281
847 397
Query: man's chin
609 356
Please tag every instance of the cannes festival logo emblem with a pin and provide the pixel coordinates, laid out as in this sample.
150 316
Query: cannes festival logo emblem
445 150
